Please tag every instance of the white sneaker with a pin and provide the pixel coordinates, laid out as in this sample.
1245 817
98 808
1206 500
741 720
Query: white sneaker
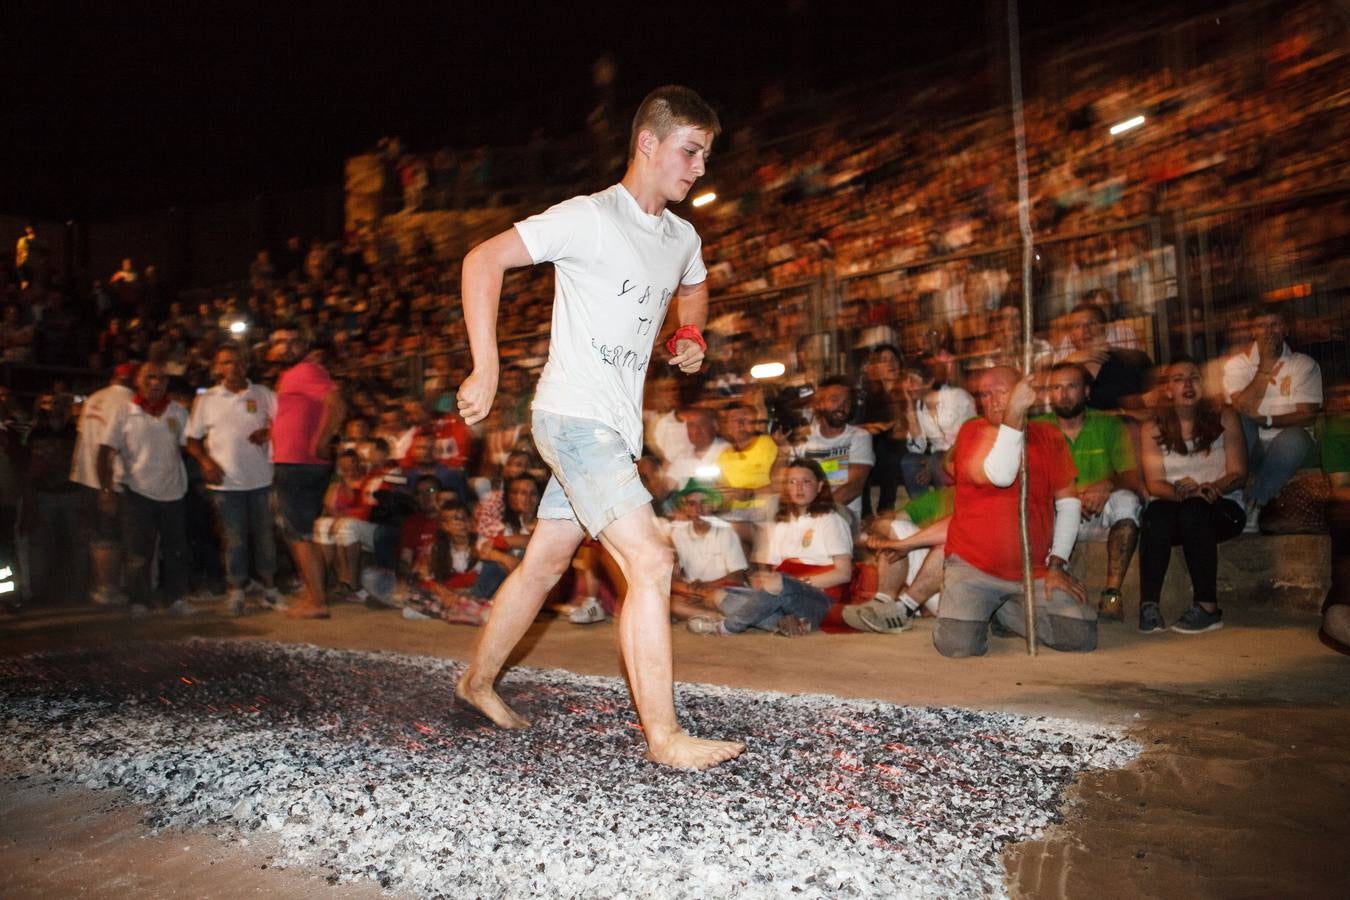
234 603
706 625
273 599
410 613
182 609
588 613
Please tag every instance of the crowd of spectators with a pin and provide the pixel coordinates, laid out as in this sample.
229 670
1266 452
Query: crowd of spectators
843 485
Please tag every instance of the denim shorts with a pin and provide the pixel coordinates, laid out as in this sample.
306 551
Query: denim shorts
300 489
595 479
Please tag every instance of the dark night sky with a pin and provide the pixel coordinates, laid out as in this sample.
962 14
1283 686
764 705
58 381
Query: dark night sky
115 110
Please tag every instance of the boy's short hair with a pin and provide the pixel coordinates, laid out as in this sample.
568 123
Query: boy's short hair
670 107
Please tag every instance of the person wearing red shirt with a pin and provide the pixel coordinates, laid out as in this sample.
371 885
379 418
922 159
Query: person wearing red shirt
309 411
982 575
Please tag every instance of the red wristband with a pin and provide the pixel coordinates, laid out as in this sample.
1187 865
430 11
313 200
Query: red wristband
687 332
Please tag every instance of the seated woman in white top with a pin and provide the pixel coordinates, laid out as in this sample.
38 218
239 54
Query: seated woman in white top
803 564
1195 464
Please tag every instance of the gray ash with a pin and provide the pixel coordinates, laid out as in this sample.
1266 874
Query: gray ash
360 764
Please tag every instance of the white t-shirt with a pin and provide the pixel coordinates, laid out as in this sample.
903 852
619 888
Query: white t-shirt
815 540
151 449
684 467
226 419
668 437
1299 380
615 270
952 407
99 409
710 556
851 447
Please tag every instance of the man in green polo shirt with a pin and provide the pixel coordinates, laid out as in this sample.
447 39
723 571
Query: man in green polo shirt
1108 479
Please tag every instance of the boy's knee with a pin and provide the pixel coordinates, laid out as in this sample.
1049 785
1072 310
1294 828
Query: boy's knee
958 638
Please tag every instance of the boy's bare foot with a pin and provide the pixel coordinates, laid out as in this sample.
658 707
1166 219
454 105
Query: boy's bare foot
486 701
684 751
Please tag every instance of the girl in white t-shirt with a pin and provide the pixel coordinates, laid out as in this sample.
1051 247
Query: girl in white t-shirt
804 562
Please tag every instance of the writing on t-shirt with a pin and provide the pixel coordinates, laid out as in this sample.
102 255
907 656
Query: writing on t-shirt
620 356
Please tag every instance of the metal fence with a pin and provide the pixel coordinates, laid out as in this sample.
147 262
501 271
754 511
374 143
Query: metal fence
1183 281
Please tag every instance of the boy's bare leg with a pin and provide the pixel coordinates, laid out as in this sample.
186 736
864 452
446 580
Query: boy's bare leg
518 601
644 639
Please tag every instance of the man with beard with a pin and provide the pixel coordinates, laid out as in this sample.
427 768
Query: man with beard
1108 483
843 451
309 412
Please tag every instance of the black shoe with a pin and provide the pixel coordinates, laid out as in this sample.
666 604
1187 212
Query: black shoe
1150 619
1110 605
1198 620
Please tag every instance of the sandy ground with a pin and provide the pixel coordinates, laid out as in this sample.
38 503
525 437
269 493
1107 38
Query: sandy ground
1243 791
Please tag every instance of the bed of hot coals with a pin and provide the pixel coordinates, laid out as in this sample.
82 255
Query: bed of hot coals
359 763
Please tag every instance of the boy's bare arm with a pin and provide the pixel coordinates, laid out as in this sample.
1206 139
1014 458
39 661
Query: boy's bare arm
693 310
480 292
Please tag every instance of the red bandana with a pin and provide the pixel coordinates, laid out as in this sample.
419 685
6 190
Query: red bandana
154 409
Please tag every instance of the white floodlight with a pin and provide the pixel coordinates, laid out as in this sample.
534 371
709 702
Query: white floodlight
767 370
238 326
704 199
1127 125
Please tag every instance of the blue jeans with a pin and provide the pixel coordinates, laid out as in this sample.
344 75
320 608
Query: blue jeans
246 520
746 608
490 577
1276 462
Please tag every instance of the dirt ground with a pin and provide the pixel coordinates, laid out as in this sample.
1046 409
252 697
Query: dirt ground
1243 789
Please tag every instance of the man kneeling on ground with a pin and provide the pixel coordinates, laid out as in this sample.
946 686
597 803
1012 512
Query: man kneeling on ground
982 576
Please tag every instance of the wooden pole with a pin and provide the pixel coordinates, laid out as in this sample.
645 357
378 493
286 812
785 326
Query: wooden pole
1024 225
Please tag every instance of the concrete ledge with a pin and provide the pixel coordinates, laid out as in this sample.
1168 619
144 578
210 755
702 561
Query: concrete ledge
1287 571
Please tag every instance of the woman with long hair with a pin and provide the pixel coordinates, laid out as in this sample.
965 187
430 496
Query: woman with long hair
1195 464
453 583
803 564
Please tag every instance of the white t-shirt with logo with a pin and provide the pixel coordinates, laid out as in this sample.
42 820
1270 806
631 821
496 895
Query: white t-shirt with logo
1299 380
225 420
151 448
814 540
615 271
98 410
706 557
851 447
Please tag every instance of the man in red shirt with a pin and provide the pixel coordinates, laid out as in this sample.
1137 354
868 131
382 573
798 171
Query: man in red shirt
982 576
309 412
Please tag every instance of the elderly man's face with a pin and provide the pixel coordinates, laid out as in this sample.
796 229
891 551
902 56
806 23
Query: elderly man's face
150 382
992 391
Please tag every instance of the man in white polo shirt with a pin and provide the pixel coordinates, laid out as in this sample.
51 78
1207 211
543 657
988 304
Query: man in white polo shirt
230 436
147 435
1278 394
